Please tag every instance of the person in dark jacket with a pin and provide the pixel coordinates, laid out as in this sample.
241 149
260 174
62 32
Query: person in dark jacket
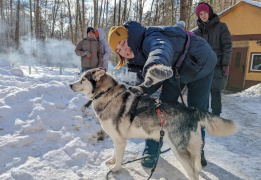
216 33
157 49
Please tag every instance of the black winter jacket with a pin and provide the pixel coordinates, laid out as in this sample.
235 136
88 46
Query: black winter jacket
218 36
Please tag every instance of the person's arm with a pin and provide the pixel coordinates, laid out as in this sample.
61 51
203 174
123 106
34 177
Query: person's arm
79 51
226 44
159 50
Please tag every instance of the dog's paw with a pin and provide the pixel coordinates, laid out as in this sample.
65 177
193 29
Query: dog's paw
110 161
156 74
114 168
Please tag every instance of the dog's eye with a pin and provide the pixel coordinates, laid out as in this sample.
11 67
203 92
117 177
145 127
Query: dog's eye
83 79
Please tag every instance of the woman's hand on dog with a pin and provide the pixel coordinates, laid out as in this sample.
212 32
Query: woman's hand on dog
156 74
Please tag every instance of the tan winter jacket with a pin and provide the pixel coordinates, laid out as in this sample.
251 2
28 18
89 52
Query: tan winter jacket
93 47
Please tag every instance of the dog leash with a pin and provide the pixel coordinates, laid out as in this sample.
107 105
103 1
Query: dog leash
128 162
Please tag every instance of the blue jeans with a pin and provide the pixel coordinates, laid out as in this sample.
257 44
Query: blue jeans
85 69
198 97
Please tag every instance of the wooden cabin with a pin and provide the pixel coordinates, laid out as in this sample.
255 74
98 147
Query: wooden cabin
244 23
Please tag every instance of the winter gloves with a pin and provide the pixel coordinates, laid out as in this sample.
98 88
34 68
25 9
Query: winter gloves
86 53
225 70
156 74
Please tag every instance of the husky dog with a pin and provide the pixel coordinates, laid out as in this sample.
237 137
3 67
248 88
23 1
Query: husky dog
113 105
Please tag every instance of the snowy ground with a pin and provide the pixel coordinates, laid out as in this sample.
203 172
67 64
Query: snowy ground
44 135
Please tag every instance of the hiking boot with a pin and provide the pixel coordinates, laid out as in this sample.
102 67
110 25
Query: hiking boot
148 161
203 160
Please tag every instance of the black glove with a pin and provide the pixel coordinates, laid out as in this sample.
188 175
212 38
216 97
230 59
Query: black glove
137 90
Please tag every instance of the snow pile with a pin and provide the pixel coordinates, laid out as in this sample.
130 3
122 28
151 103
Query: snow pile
254 91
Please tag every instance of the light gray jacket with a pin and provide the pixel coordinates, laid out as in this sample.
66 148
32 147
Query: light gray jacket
105 48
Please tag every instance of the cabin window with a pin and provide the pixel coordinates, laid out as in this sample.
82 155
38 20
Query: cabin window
256 62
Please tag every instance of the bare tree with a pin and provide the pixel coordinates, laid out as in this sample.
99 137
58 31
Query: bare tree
70 19
55 8
76 23
100 13
95 5
183 10
104 5
37 20
83 15
124 13
119 14
17 30
114 13
140 11
107 11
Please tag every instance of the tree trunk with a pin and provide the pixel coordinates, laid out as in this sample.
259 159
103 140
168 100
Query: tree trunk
107 11
70 19
76 24
100 13
31 19
37 20
114 13
156 15
141 11
17 30
83 16
183 10
189 14
119 15
104 5
124 13
95 5
80 20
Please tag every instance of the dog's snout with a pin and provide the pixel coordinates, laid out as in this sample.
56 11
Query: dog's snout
71 86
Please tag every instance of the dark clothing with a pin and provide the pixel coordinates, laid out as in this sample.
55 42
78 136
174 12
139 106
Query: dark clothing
216 102
164 45
218 36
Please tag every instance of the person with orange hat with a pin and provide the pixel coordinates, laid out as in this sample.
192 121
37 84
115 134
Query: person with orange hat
156 51
90 52
216 33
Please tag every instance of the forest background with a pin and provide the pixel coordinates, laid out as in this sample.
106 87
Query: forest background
39 21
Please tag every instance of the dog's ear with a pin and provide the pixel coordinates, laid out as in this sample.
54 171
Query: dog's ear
98 74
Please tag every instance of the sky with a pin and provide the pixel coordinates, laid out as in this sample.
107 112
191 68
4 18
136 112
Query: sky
45 135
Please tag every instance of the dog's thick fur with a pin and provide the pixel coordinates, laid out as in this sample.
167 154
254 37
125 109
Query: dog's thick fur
112 105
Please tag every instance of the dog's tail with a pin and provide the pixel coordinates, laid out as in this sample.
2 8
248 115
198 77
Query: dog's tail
218 126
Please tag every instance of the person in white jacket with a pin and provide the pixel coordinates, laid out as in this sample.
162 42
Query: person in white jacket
106 51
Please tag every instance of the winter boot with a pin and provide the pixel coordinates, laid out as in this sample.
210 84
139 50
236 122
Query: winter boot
148 160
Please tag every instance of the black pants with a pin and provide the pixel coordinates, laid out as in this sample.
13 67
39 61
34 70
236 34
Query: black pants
216 104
